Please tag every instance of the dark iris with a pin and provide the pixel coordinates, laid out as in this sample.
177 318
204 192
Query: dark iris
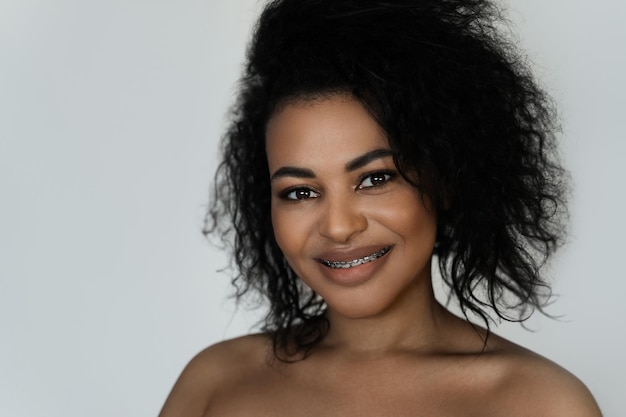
378 179
302 194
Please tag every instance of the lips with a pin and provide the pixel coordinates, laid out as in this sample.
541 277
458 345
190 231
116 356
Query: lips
353 258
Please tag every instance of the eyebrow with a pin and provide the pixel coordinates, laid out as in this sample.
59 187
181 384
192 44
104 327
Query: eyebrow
366 158
292 172
356 163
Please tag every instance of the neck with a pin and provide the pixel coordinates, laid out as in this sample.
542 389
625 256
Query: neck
415 321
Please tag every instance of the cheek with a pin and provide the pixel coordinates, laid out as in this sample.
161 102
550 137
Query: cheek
407 215
291 237
278 227
288 231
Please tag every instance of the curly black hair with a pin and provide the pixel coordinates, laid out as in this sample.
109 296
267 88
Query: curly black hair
466 121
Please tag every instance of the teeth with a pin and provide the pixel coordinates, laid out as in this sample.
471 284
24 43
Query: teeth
355 262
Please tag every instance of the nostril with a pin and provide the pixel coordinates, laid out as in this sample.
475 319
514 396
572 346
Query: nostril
341 223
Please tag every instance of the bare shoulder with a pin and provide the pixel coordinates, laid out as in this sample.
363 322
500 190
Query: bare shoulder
532 385
212 368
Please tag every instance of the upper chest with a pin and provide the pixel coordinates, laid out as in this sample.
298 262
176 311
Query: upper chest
368 388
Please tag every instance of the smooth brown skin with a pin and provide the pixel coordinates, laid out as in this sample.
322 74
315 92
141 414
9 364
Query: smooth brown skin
391 350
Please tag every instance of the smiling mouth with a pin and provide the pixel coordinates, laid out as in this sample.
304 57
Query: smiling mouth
355 262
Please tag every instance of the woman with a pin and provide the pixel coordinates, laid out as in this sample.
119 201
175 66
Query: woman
370 139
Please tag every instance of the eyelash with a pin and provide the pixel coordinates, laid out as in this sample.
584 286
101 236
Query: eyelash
285 194
384 177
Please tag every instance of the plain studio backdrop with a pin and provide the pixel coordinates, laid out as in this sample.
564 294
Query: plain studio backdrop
110 114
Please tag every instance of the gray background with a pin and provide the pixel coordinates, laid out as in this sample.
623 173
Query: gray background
109 117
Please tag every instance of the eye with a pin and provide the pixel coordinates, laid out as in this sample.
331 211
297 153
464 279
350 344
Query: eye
299 194
376 179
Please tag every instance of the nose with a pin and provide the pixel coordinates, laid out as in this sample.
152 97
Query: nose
341 219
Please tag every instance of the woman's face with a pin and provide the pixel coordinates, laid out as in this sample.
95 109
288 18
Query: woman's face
348 224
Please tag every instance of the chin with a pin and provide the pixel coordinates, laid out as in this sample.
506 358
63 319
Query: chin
355 307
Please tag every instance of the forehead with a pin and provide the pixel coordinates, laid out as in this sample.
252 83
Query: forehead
329 130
